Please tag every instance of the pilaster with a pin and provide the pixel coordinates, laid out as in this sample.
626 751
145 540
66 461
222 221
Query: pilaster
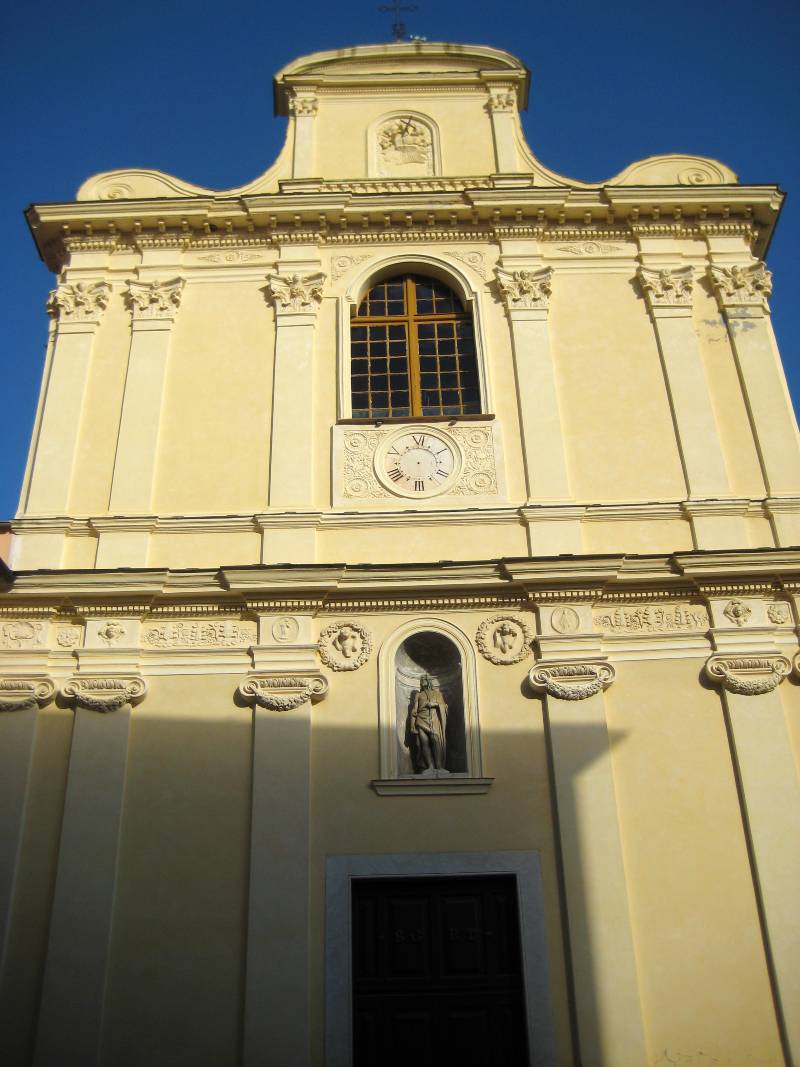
748 667
525 288
74 985
296 293
742 289
573 677
668 291
77 308
502 106
280 692
154 305
303 106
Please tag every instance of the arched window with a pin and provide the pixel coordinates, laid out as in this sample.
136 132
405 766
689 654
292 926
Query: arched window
412 352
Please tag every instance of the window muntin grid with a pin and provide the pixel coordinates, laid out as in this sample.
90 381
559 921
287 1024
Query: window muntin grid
412 352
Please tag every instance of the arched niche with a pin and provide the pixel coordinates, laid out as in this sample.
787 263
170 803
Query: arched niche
437 650
403 144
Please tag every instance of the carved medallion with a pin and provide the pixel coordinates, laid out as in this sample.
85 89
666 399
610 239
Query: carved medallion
504 639
748 675
565 620
285 629
738 612
344 646
282 692
405 148
69 636
22 694
111 633
571 681
104 694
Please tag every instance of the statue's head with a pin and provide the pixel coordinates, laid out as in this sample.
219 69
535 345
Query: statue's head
425 682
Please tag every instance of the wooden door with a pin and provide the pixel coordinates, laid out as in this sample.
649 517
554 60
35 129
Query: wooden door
437 973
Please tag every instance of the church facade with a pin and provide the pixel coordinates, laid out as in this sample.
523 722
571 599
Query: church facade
399 656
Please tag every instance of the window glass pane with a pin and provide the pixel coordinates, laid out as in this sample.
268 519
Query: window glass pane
359 366
447 362
397 333
450 396
359 333
426 329
379 383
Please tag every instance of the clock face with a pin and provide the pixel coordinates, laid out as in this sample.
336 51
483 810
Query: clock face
418 463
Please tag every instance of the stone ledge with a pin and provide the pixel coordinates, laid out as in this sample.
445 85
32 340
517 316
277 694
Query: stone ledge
452 785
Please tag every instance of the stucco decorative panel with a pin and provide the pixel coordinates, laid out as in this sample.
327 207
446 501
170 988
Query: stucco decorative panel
21 633
652 619
199 633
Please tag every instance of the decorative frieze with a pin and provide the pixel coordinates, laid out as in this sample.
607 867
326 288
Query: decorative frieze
667 288
344 646
79 302
525 289
199 633
652 619
21 633
296 293
571 681
22 694
154 301
106 693
748 675
741 287
504 639
282 692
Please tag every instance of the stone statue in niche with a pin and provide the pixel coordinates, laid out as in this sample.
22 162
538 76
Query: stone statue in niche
426 729
405 149
429 701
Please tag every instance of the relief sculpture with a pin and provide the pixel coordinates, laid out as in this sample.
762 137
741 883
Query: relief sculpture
405 147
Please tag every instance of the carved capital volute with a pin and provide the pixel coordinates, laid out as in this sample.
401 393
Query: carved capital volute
155 301
303 105
104 693
22 694
525 289
667 288
79 302
282 692
296 294
748 675
739 288
572 681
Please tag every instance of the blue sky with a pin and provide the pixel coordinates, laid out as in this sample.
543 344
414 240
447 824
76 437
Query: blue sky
186 88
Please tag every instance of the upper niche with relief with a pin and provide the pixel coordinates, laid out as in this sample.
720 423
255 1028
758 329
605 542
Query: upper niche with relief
403 146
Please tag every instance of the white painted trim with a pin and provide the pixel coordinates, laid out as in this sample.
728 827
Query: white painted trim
341 870
388 712
434 266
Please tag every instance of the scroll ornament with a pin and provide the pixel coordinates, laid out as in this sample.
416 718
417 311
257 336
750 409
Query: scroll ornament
571 681
296 293
155 300
741 286
282 692
525 288
105 694
79 302
22 694
667 288
748 675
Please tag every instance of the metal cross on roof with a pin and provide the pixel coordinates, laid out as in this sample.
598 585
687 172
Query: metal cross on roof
398 27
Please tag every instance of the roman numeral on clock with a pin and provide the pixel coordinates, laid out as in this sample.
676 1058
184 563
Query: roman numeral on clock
419 487
395 474
419 441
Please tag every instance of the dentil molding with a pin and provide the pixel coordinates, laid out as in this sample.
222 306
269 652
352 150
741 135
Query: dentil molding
524 289
152 301
296 293
748 675
282 692
79 302
106 693
22 694
571 681
741 287
667 288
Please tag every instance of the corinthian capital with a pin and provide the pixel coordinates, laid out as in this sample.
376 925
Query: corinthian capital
571 681
741 287
104 694
502 100
282 692
667 288
151 301
303 106
79 302
525 288
296 293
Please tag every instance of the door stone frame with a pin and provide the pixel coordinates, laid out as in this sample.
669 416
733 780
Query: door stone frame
340 872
